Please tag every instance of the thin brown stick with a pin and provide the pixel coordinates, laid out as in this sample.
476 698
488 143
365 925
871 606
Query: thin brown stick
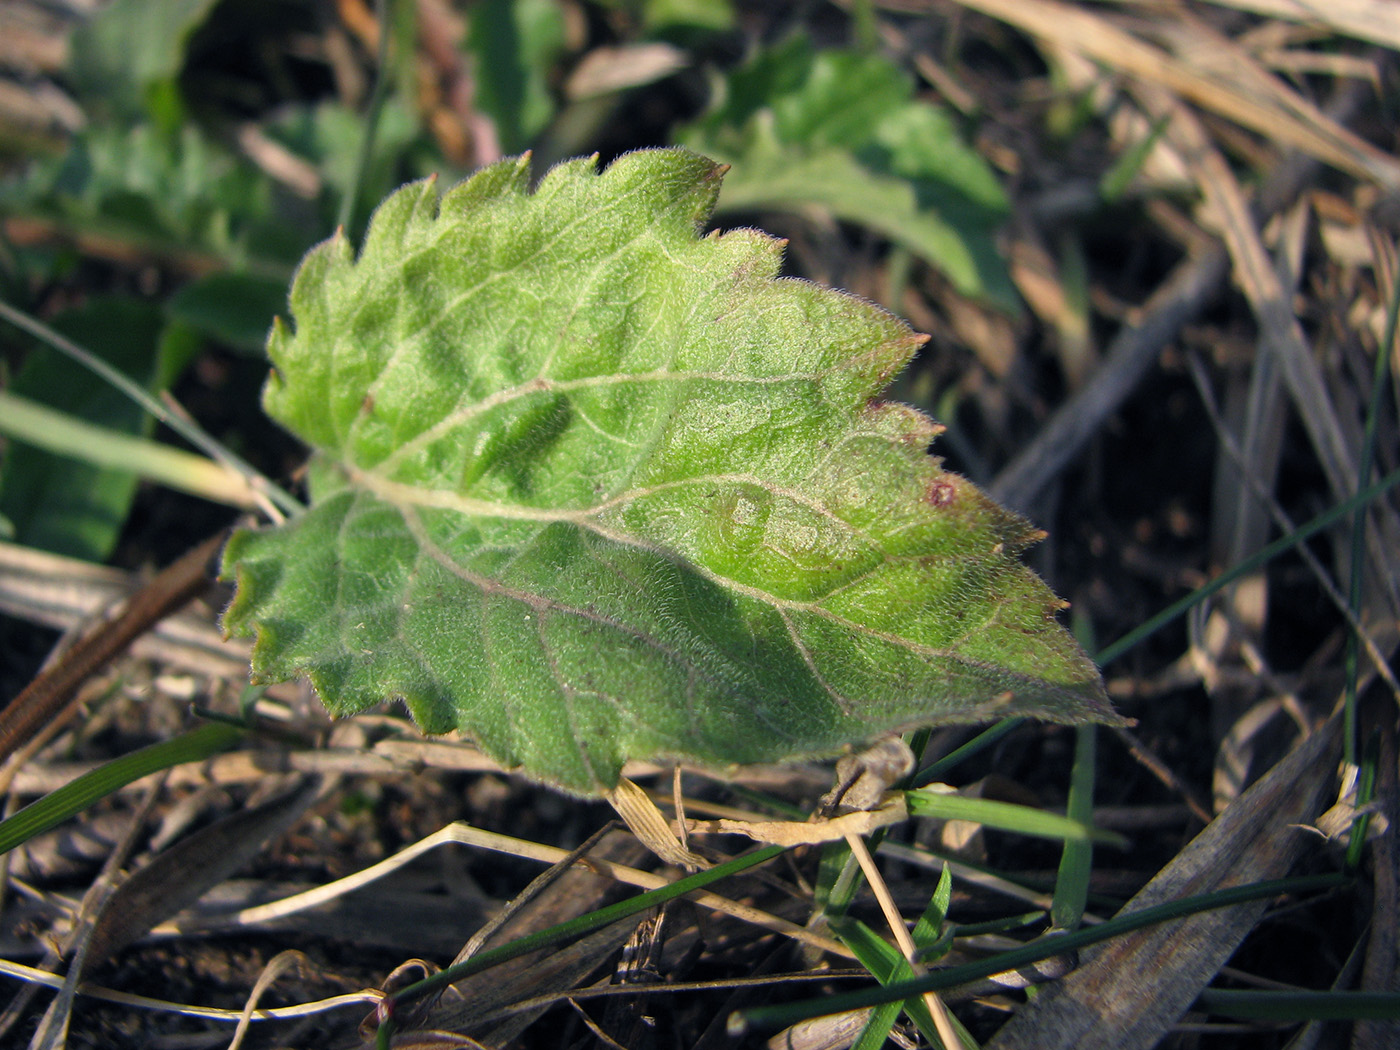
180 582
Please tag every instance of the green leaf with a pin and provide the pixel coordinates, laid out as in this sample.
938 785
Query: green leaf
843 132
515 44
834 180
882 960
131 52
589 487
676 19
235 308
180 192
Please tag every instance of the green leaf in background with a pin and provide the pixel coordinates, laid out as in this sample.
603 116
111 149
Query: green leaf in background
129 55
677 20
329 135
589 487
843 132
60 504
515 44
180 192
236 309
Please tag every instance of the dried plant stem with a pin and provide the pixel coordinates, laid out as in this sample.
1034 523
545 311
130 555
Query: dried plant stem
178 584
478 838
936 1009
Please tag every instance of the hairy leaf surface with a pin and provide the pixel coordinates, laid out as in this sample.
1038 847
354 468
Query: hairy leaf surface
590 487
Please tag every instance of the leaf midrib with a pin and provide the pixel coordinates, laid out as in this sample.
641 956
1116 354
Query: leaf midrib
544 385
406 507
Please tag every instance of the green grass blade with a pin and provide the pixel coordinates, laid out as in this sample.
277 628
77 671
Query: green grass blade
567 931
1077 859
378 96
1365 792
838 879
57 806
877 1029
1358 523
885 962
980 742
1263 556
1007 817
1119 177
65 435
1004 925
188 430
930 924
777 1017
1296 1005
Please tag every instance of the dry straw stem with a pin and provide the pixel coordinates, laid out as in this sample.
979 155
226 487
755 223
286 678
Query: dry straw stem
1257 494
275 968
62 593
1260 102
380 759
1247 469
1375 20
1282 334
176 585
941 1020
1189 288
80 943
42 978
467 835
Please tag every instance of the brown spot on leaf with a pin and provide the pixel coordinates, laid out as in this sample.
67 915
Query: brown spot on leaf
942 492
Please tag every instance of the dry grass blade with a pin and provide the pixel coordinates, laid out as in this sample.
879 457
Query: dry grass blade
1375 20
1282 333
1262 498
1126 995
1281 114
1191 286
44 979
1381 972
181 874
640 813
573 893
1247 468
276 966
1202 203
470 836
177 584
62 592
1130 357
53 1028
